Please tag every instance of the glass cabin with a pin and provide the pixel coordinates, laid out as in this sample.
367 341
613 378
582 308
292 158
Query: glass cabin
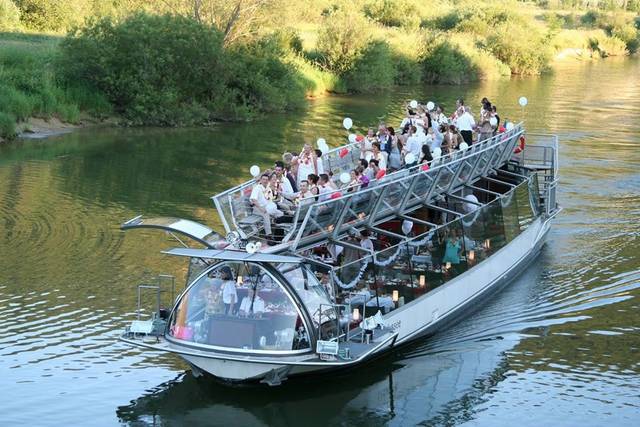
248 306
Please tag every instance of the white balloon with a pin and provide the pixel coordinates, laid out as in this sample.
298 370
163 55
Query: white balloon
347 123
437 152
251 248
352 138
254 171
409 158
413 104
463 146
407 226
509 126
493 121
345 178
523 101
430 106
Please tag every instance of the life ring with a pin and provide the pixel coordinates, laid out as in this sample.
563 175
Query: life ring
520 147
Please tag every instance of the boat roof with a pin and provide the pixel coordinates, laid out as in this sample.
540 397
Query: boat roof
233 255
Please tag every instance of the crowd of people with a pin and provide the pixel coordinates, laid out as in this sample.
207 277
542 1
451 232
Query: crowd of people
425 133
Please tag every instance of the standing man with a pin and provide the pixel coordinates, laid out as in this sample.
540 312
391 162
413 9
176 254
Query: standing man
466 123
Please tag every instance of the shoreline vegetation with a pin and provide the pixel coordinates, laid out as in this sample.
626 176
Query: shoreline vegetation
196 62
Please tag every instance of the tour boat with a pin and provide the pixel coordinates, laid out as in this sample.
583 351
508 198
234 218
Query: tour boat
317 299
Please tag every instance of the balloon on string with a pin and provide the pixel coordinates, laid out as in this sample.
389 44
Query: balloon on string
431 106
347 123
343 153
410 158
509 126
336 195
425 167
345 178
381 173
523 101
463 146
493 121
254 171
407 226
352 138
413 104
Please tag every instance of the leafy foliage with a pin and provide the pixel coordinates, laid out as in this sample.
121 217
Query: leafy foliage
172 70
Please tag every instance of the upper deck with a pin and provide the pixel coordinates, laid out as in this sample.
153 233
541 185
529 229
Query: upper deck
393 195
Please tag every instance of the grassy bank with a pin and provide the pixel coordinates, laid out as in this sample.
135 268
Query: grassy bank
29 86
185 62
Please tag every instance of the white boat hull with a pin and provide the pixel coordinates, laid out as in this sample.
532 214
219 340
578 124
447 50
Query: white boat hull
419 318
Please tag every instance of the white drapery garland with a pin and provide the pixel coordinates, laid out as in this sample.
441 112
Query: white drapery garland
352 283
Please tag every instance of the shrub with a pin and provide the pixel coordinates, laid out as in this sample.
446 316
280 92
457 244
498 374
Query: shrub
408 71
590 18
69 113
171 70
16 102
523 49
607 46
7 125
628 34
393 13
48 15
373 70
342 39
445 63
9 16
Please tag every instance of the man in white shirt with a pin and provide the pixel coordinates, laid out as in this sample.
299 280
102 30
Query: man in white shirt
414 143
285 184
465 124
262 205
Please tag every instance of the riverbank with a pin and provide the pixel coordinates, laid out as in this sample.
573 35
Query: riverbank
178 70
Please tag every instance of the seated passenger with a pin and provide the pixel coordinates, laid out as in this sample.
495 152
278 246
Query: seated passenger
252 305
288 191
305 193
380 156
426 156
262 205
313 184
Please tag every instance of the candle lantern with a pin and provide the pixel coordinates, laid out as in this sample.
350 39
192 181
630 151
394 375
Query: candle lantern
487 244
423 281
394 295
472 255
240 280
447 265
356 314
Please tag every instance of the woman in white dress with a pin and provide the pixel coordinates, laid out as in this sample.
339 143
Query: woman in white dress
307 163
229 293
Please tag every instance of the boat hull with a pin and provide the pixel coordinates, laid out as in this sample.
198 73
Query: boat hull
423 317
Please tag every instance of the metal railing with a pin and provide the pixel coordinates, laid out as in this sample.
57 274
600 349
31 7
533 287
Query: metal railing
395 193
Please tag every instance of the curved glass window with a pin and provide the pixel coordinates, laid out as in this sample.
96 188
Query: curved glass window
314 295
239 305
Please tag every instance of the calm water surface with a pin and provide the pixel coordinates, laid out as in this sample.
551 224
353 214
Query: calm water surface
559 346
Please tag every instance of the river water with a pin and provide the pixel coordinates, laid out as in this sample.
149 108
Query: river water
559 346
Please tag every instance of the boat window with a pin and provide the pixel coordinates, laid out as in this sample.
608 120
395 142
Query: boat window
239 305
315 296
